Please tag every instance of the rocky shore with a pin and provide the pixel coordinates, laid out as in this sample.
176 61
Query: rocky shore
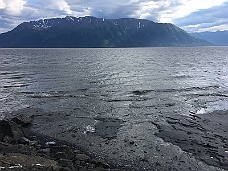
36 140
21 149
205 136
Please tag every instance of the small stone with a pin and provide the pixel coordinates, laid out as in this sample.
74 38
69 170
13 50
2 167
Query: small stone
131 142
76 151
157 164
77 162
23 140
73 135
33 143
66 149
51 143
26 141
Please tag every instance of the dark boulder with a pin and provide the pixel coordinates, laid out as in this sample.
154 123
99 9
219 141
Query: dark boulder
11 129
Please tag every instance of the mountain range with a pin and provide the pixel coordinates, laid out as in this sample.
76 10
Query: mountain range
219 38
72 32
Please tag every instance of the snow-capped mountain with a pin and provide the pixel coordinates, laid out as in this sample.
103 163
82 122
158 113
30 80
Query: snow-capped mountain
96 32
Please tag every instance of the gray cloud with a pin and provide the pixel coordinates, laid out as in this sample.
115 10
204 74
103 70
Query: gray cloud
205 18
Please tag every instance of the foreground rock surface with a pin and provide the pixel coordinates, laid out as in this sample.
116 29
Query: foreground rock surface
205 136
35 153
106 142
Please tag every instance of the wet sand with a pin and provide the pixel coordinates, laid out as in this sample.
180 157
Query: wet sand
196 142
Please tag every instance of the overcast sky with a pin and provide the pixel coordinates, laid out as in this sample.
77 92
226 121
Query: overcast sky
190 15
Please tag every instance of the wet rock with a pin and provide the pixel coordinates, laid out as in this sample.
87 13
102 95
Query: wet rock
65 163
51 143
8 139
66 150
22 120
9 128
26 131
45 151
26 141
82 157
60 155
63 148
102 165
107 128
99 169
23 140
201 136
140 92
67 169
34 143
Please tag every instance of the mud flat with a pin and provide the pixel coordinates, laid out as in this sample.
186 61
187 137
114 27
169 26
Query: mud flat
195 142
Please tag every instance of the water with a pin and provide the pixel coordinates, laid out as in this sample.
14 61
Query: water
135 82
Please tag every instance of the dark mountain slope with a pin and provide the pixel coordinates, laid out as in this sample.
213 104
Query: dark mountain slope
96 32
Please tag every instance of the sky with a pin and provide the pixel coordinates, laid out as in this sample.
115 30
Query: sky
190 15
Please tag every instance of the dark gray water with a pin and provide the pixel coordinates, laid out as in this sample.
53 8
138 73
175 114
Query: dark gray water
115 82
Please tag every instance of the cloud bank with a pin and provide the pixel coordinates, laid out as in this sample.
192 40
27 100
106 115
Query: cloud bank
212 19
191 15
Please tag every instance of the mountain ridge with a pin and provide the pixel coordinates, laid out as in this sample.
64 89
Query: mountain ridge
72 32
219 38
